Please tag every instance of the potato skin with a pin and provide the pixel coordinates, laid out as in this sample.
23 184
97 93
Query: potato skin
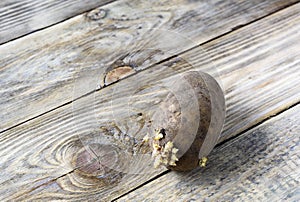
188 129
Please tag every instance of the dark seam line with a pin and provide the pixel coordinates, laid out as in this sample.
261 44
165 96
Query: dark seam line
56 23
258 124
148 181
51 110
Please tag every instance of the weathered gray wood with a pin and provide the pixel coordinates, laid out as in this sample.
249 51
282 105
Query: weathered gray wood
263 164
259 75
37 71
18 18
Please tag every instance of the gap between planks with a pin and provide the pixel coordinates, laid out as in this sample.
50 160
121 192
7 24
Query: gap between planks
19 19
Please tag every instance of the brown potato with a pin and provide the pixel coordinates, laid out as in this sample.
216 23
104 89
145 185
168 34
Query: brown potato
189 122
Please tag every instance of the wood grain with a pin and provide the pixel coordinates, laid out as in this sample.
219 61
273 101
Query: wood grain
260 165
259 75
37 71
18 18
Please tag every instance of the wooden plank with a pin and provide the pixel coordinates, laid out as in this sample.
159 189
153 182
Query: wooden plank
18 18
260 165
243 57
37 71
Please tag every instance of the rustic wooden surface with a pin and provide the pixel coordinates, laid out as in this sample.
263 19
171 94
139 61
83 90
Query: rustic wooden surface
259 76
45 64
260 165
18 18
